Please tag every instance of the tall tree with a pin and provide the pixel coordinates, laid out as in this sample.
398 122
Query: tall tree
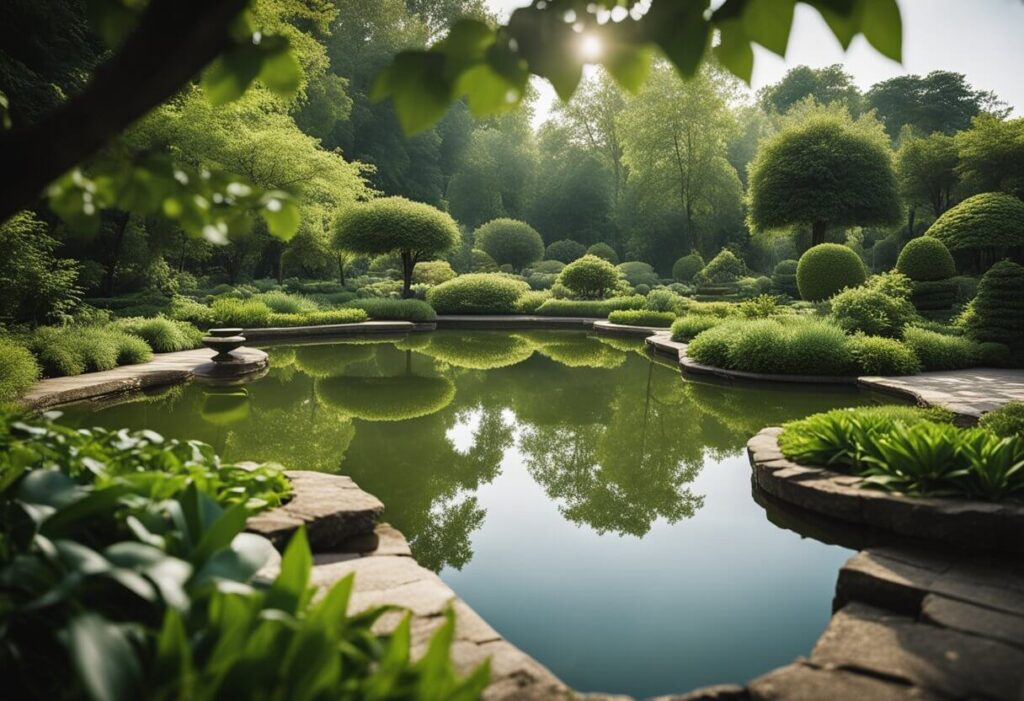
825 85
926 170
992 155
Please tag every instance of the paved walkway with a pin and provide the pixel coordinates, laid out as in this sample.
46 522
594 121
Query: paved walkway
966 392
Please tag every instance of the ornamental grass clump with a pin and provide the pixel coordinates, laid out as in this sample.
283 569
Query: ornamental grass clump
875 355
18 370
689 325
938 351
72 350
641 317
162 334
246 314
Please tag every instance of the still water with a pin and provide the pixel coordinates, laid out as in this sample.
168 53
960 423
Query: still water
592 505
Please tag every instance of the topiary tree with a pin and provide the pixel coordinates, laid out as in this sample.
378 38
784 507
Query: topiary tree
823 171
510 242
724 268
565 251
826 269
590 277
395 225
997 313
784 278
603 250
982 227
638 273
926 258
687 267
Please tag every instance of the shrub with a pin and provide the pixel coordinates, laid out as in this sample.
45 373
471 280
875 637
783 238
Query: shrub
799 347
481 262
510 242
760 307
381 289
318 318
332 299
433 272
284 303
547 267
784 278
882 356
395 309
991 220
687 267
926 258
689 325
638 273
131 350
18 370
826 269
997 313
884 253
599 309
937 351
1007 420
992 355
603 250
72 350
162 334
35 286
664 300
590 276
724 268
565 251
477 293
187 309
529 302
869 311
934 295
641 317
966 288
228 311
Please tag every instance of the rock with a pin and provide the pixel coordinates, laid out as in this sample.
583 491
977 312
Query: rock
802 682
718 692
891 584
969 618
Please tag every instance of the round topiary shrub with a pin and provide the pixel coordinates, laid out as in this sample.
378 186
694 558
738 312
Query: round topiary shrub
991 220
687 267
589 277
477 293
565 250
826 269
926 258
510 242
997 312
433 272
726 267
638 273
784 278
603 250
482 262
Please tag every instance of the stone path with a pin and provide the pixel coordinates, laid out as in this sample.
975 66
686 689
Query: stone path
965 392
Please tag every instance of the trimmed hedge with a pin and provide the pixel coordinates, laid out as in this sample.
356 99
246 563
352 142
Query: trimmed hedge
938 351
688 326
997 313
320 318
726 267
590 276
477 293
641 317
798 347
599 309
603 250
565 251
394 309
934 295
988 220
510 242
18 370
826 269
874 355
926 258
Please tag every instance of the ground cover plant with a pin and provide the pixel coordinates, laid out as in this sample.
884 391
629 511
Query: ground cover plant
641 317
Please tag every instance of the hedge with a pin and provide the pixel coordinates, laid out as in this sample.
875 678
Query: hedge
687 267
599 309
874 355
689 325
988 220
938 351
826 269
641 317
477 293
18 370
934 295
997 312
395 309
926 258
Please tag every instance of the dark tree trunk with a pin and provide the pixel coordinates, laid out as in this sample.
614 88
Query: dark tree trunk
818 232
408 262
341 270
120 226
911 216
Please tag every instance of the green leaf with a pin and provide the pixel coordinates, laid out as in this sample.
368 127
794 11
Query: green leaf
221 532
734 52
768 22
113 19
230 75
487 93
628 64
104 659
882 27
281 72
173 664
281 214
840 19
417 87
289 589
680 29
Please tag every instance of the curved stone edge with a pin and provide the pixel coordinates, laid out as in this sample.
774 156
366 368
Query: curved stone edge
693 367
960 522
513 321
663 344
361 328
607 327
346 538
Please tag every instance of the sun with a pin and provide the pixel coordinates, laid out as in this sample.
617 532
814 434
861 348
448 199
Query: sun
591 47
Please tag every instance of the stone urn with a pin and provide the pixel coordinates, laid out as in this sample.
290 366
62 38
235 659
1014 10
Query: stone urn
223 341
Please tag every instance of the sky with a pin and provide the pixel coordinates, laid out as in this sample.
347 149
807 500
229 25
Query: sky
983 39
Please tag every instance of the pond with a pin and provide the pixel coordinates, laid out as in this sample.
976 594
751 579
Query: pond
591 504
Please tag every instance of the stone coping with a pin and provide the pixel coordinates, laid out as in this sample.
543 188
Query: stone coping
691 366
362 328
513 321
662 343
962 522
967 393
607 327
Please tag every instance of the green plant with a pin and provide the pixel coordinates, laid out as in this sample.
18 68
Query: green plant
318 318
35 286
827 269
989 221
784 278
162 334
395 309
598 309
477 293
938 351
761 307
870 311
603 250
874 355
1007 420
187 309
529 302
992 355
285 303
72 350
797 347
926 258
589 277
481 262
641 317
689 325
935 295
433 272
724 268
997 312
637 273
687 267
131 350
510 242
565 251
18 370
246 314
663 299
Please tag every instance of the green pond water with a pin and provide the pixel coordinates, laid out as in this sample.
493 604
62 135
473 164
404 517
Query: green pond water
591 504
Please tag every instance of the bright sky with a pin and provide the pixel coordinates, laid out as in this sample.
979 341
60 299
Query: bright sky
983 39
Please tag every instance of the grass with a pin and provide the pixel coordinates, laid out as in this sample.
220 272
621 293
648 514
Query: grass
598 309
18 370
72 350
394 309
162 334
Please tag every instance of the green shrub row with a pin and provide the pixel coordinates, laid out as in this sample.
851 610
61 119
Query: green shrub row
688 326
477 293
641 317
72 350
415 310
598 309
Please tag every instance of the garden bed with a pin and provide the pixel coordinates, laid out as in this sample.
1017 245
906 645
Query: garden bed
962 522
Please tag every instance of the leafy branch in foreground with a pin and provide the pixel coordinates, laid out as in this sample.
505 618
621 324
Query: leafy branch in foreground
553 39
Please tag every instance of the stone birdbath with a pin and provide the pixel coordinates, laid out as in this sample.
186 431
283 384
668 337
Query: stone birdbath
223 341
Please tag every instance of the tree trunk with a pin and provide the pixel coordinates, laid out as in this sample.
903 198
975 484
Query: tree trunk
818 233
911 215
115 254
341 270
407 265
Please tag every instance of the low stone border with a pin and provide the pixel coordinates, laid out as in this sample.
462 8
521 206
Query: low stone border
362 328
962 522
967 393
607 327
662 343
513 321
696 368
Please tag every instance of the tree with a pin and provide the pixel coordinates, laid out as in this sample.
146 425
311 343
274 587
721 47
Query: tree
825 85
820 171
35 286
589 276
984 226
675 143
940 101
510 242
991 155
395 225
926 169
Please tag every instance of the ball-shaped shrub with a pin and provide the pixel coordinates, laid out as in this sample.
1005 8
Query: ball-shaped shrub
723 268
988 220
433 272
510 242
826 269
590 277
482 262
784 278
638 273
18 370
684 269
565 250
603 250
997 312
926 258
477 293
391 225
